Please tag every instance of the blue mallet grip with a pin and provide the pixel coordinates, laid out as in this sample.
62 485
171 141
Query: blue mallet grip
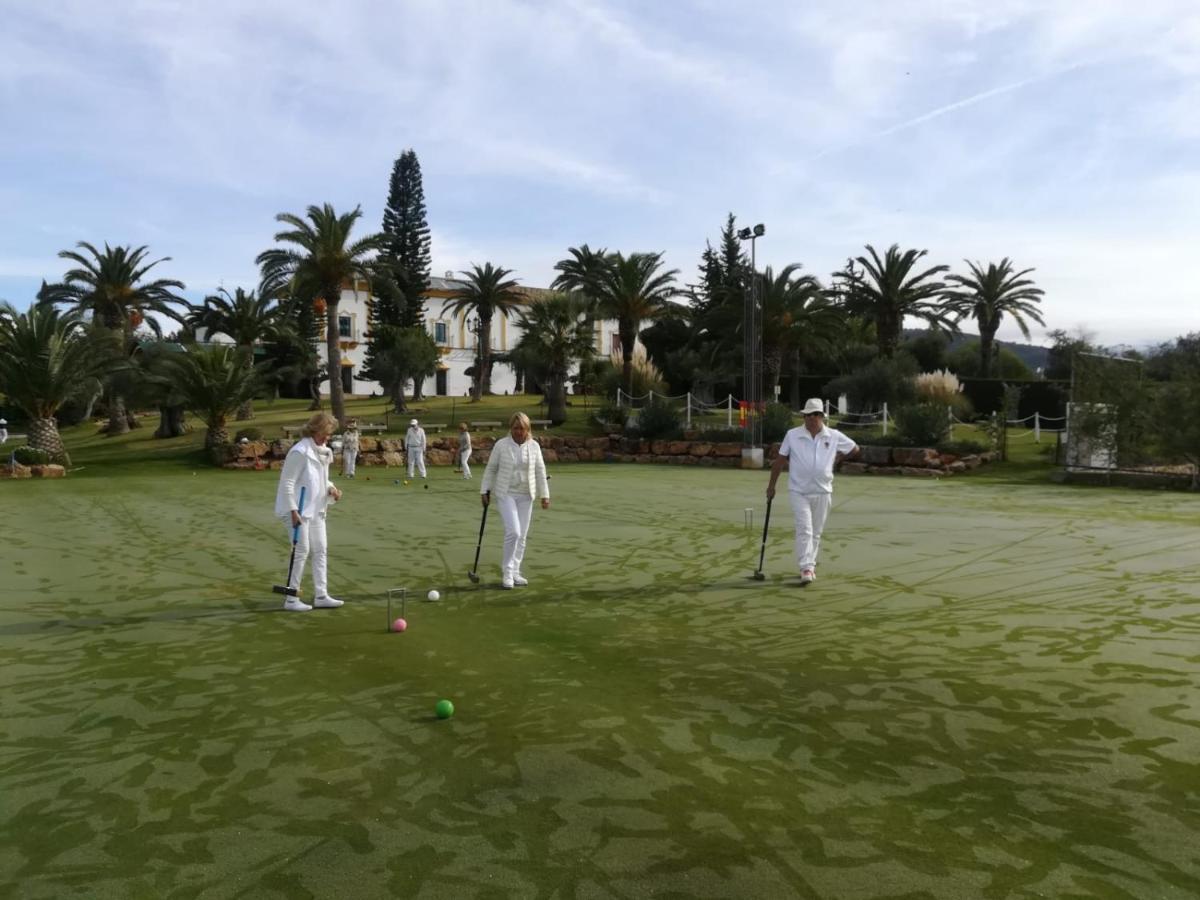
296 528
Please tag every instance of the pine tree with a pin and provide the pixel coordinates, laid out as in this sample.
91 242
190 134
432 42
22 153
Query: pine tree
408 232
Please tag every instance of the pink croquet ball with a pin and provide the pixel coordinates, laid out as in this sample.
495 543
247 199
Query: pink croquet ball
399 625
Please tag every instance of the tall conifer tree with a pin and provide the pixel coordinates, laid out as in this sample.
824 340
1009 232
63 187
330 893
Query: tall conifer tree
407 230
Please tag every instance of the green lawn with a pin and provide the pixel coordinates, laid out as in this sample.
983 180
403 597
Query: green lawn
989 692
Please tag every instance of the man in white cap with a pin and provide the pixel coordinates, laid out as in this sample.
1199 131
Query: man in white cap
809 452
414 447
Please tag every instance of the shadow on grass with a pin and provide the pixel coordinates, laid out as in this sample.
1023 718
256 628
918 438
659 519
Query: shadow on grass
94 622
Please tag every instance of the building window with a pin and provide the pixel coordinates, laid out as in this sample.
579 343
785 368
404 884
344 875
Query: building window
440 335
344 327
616 343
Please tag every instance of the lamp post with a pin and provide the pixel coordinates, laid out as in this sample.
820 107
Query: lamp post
752 453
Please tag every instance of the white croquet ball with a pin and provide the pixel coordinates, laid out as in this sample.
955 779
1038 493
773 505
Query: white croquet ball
433 595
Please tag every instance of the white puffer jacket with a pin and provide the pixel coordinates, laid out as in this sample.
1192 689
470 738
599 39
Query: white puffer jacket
307 466
502 464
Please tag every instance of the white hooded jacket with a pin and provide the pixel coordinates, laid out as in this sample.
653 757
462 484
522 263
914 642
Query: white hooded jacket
307 466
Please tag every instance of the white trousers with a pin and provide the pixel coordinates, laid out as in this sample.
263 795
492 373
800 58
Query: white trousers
517 512
416 458
464 457
312 541
810 512
349 458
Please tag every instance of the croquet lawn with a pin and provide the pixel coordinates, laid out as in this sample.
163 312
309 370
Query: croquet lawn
989 692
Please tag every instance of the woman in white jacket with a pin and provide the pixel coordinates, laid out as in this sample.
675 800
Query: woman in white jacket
515 475
307 466
464 450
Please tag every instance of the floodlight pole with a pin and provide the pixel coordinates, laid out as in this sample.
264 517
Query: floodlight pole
752 452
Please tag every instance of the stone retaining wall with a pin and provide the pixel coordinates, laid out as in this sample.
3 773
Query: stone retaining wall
16 470
613 448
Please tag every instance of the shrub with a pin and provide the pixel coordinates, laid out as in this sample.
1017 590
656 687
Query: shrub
659 420
31 456
880 381
939 387
922 424
968 448
646 377
250 434
777 419
609 417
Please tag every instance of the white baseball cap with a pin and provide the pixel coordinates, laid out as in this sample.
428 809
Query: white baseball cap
412 421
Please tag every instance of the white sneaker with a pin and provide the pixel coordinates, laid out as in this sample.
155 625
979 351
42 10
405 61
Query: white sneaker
520 580
295 604
326 603
506 583
807 576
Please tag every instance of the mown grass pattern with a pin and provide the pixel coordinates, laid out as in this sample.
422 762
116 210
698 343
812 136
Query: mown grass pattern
989 692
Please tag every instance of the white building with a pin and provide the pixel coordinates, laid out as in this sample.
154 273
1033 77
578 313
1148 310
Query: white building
451 333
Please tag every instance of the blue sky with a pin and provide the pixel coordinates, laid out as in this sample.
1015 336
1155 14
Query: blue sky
1062 134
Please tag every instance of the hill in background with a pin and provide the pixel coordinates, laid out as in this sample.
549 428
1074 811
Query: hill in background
1032 355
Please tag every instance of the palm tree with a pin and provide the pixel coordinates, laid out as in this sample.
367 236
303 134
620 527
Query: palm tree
987 296
48 357
631 289
556 333
581 271
292 358
320 261
212 382
796 313
488 292
886 291
110 287
245 318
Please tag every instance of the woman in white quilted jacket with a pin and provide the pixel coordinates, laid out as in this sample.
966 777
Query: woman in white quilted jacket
515 476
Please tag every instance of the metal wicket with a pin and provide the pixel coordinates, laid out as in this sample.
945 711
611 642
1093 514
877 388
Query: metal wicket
403 595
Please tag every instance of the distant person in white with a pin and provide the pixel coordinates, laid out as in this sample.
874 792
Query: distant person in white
414 447
809 453
3 431
464 450
307 465
516 474
349 448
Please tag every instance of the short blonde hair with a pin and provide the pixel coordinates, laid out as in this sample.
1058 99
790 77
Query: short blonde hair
320 422
522 418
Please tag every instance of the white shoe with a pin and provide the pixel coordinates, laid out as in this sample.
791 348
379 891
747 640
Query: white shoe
506 583
807 576
520 580
326 603
295 604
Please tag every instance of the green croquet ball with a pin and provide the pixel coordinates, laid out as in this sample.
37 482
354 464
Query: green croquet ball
444 709
426 487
